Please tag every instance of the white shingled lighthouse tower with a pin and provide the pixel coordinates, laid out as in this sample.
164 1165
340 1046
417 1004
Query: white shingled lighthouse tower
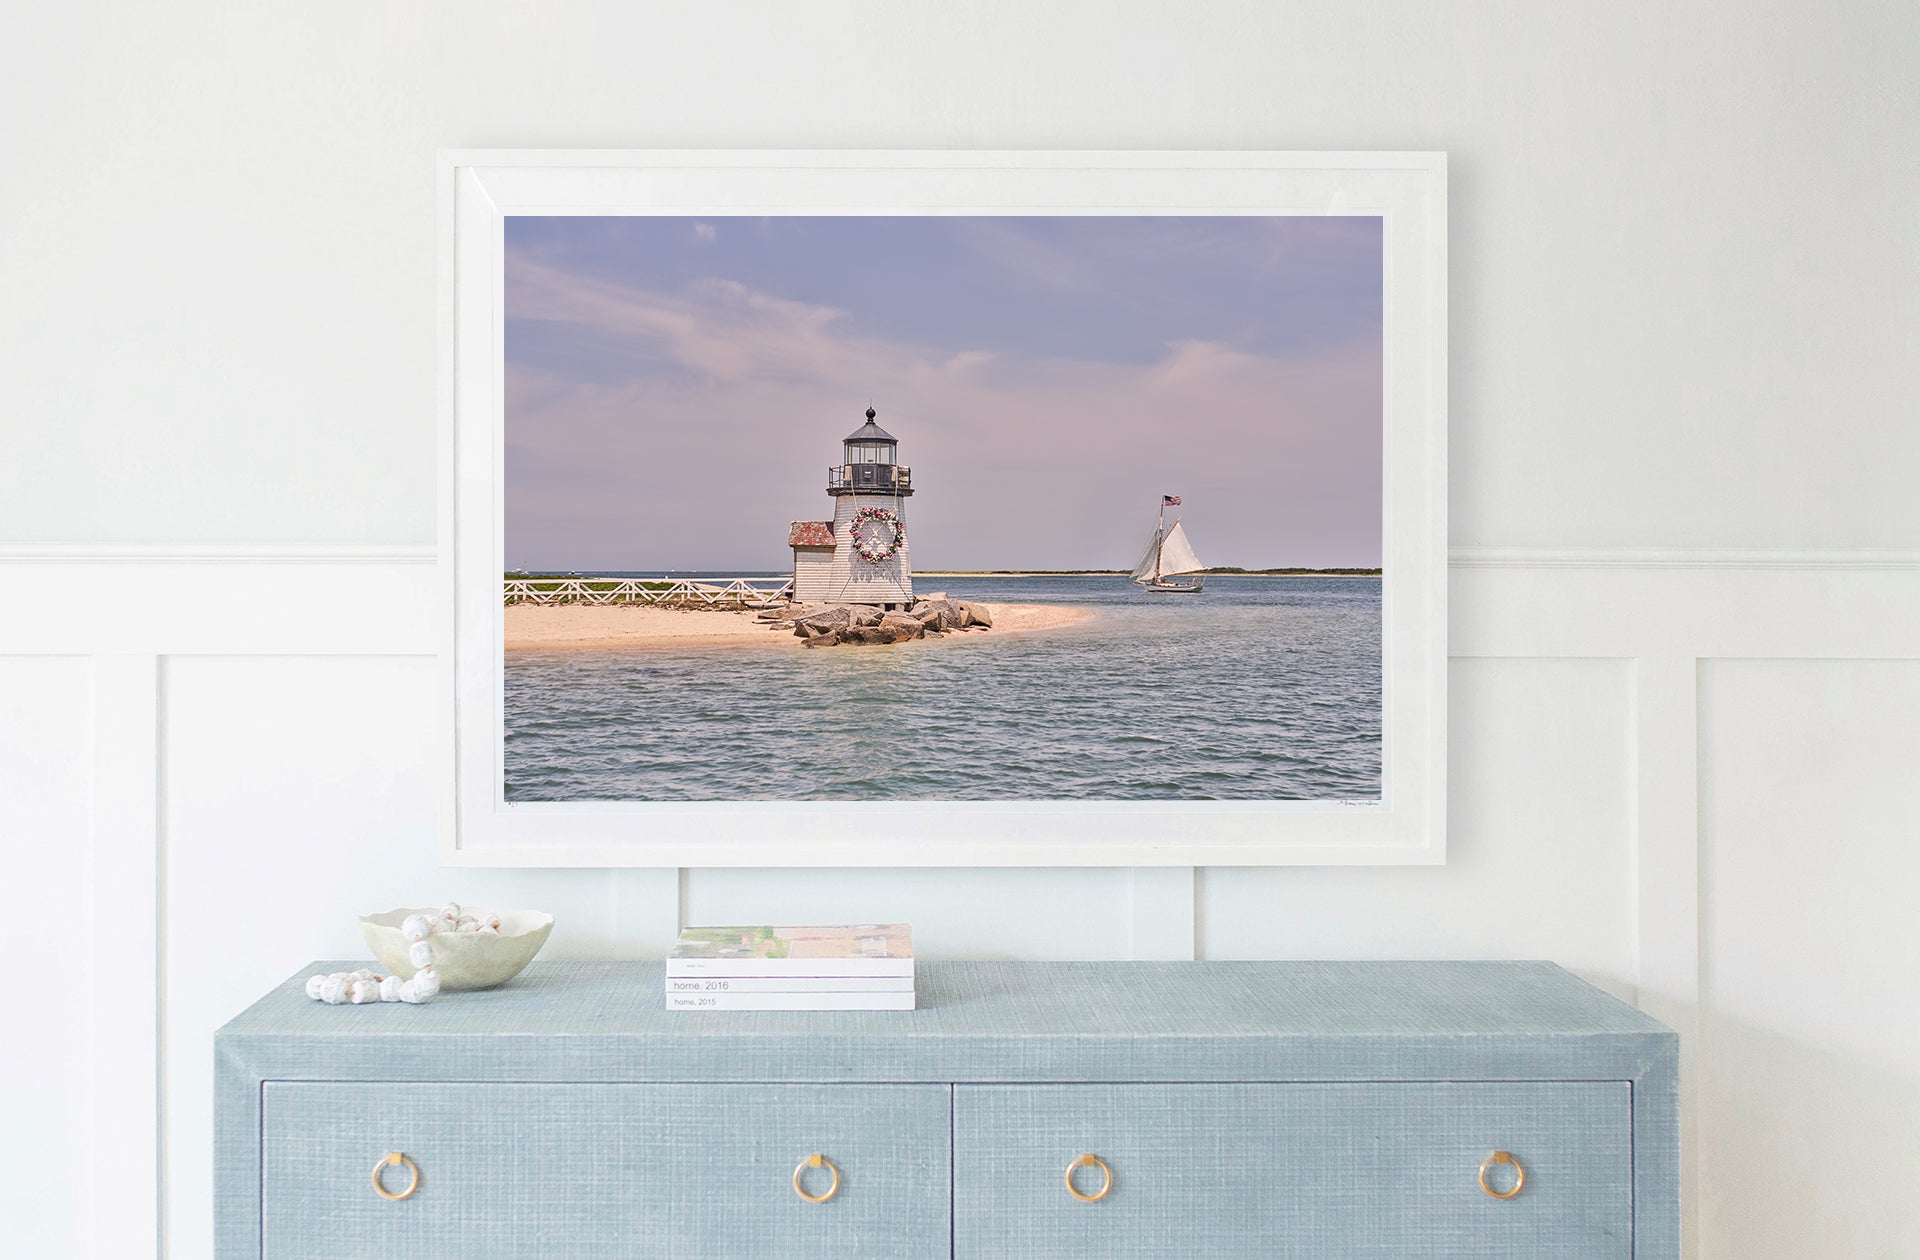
860 556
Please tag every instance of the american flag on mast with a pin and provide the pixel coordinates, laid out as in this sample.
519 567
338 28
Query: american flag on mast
1169 500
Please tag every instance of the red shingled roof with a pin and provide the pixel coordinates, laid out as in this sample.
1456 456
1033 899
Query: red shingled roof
810 534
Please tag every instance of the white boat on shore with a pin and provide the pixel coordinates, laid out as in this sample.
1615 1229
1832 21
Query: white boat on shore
1169 557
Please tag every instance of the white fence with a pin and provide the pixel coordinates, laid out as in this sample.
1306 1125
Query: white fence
735 592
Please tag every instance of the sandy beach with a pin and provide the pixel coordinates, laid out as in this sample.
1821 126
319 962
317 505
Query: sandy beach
532 627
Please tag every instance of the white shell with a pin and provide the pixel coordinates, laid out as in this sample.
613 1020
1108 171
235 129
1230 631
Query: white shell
390 989
313 986
416 927
423 986
420 954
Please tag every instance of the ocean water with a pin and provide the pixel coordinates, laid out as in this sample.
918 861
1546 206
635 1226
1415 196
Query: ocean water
1257 688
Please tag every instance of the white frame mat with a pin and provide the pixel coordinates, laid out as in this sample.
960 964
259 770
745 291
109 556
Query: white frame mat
480 189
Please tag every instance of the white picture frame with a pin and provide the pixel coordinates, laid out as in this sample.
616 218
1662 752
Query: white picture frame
479 189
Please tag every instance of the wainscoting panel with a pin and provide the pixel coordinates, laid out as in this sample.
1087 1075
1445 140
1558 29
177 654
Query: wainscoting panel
1686 776
1809 1080
47 1039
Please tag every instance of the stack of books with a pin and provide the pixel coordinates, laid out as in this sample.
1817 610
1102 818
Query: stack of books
864 967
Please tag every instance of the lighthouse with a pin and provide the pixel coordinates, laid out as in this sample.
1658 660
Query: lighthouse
860 556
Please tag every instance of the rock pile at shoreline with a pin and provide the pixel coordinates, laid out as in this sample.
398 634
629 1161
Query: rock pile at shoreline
829 625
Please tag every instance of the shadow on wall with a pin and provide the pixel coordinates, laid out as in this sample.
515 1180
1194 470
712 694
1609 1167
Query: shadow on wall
1805 1152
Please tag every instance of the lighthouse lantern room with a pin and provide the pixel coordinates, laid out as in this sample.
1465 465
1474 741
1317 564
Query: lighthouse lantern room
859 557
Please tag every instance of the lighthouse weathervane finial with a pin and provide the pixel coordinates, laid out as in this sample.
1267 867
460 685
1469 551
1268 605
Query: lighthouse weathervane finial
871 413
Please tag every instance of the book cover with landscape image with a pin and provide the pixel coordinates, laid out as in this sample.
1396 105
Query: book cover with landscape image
884 949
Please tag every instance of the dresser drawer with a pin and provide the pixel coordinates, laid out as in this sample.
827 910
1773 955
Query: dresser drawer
580 1171
1306 1170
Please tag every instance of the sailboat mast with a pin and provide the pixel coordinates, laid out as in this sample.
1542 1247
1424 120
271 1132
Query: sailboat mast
1159 535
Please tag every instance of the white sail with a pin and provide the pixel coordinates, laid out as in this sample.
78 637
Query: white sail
1176 553
1149 563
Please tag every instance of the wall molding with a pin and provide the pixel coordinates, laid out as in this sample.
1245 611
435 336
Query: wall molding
316 604
128 975
1678 558
215 553
1664 739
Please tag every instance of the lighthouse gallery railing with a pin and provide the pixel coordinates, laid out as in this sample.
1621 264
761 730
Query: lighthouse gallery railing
883 478
733 593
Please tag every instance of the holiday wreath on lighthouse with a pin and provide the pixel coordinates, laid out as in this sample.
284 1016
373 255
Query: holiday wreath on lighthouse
871 526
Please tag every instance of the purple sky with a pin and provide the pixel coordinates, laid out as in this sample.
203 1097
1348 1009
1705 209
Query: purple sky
676 388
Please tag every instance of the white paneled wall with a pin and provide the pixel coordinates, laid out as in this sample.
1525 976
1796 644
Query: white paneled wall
1685 778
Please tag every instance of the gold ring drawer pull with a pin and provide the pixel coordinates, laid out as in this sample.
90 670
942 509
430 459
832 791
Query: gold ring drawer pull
1519 1175
1106 1174
394 1159
816 1161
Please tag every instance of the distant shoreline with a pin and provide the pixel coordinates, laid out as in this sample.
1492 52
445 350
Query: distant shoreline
717 575
1120 573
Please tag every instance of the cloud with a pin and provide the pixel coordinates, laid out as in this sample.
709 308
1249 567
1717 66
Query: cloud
705 233
715 328
1190 362
696 451
720 329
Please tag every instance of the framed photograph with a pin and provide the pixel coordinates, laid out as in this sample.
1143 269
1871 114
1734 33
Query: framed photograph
945 508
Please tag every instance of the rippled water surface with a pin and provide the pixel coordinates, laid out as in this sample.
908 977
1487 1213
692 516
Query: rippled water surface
1257 688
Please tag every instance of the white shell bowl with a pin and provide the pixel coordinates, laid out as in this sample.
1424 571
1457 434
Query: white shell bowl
462 960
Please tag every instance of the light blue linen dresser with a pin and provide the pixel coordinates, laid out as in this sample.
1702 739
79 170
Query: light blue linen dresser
1223 1109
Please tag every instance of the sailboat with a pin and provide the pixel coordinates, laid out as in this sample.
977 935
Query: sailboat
1169 555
